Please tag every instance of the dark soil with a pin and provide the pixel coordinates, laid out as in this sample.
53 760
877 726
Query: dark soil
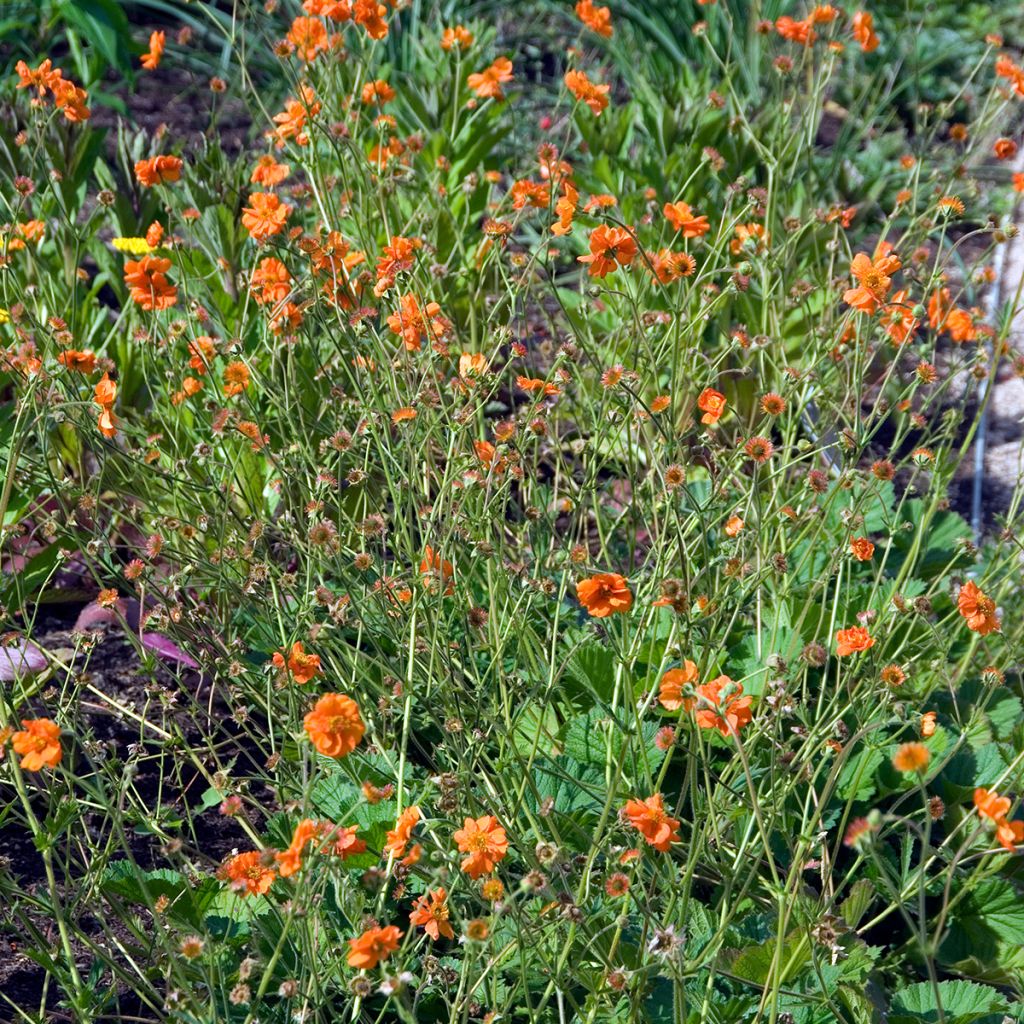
114 667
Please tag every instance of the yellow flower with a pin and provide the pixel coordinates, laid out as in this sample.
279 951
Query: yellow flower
4 316
136 246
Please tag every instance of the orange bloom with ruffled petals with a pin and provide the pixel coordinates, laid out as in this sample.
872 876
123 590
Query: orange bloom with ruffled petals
978 609
651 820
610 248
597 19
158 170
594 95
670 690
722 706
487 83
604 594
864 31
853 640
712 404
431 913
151 59
373 946
147 279
334 725
874 279
371 15
265 215
683 219
485 843
38 744
302 666
399 837
248 873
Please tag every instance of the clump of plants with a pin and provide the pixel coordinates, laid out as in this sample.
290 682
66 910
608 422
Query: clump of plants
523 508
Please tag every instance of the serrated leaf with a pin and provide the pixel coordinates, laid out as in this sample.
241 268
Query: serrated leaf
990 914
961 1003
856 904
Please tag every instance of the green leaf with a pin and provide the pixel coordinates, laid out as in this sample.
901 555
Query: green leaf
104 25
755 963
989 915
855 906
961 1003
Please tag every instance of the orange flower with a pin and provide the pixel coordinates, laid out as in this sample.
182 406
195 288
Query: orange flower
289 861
413 323
371 15
43 78
911 757
744 233
488 455
597 19
431 911
308 36
530 193
853 640
398 838
343 841
248 873
595 96
727 714
291 122
1004 149
147 280
375 944
898 322
487 83
610 247
38 743
682 218
104 395
458 37
436 571
862 549
151 60
70 99
1010 834
268 172
378 92
928 724
864 31
398 256
874 281
712 404
265 215
402 415
536 384
158 170
302 666
606 593
668 266
796 31
990 804
334 725
734 526
82 362
270 281
236 378
485 842
649 818
670 690
978 609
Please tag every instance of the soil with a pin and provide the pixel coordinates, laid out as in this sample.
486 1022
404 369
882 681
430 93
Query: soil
115 667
